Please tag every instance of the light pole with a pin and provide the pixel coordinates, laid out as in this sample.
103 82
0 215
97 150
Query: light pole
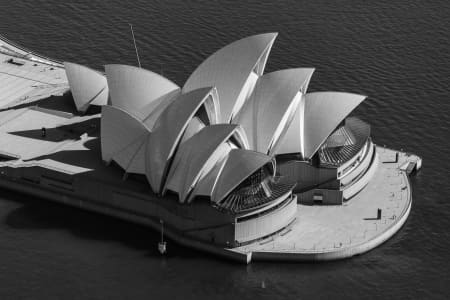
162 245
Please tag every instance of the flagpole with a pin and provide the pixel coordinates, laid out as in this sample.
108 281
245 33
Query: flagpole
135 47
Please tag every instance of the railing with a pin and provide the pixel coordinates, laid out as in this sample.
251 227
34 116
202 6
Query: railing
359 167
358 183
260 226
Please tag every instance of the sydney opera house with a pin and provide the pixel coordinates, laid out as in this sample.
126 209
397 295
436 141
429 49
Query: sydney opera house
227 158
234 136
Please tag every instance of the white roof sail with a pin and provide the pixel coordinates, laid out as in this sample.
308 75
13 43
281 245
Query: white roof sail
137 162
150 113
291 142
197 156
89 87
239 165
245 93
194 126
169 129
229 70
205 185
131 157
133 88
121 136
322 114
270 109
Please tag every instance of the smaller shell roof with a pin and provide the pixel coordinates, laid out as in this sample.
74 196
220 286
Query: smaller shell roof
291 142
87 85
272 105
206 184
122 136
169 129
239 165
137 162
317 116
192 156
324 111
229 68
133 88
131 157
151 112
194 126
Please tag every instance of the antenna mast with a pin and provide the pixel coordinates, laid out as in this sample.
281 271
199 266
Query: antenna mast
135 47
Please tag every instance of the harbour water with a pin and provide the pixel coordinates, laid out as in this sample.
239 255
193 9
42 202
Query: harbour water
396 52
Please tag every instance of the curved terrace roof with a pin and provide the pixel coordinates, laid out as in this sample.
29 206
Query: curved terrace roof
271 107
88 86
239 165
169 129
133 89
197 156
230 68
122 139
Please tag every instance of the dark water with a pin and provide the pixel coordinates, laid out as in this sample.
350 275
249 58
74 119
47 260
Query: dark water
397 52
